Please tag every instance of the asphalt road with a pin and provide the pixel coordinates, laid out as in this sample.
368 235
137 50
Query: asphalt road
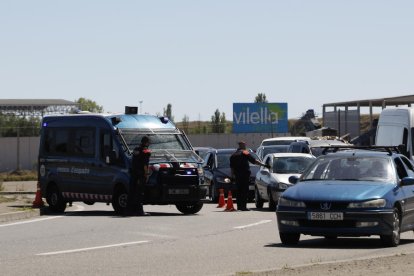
90 240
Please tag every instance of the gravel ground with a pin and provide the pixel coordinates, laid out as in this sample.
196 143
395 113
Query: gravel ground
402 264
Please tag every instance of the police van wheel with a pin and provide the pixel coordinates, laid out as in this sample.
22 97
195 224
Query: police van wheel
55 200
119 201
189 208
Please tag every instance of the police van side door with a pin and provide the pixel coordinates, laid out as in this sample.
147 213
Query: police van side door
110 163
83 164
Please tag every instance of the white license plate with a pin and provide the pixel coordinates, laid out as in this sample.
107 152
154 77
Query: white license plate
325 216
178 191
251 188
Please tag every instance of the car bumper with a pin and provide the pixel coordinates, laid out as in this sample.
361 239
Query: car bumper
353 223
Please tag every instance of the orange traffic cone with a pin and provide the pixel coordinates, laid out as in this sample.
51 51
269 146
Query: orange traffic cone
221 202
38 202
229 206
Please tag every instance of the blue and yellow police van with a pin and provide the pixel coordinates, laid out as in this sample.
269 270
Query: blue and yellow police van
87 158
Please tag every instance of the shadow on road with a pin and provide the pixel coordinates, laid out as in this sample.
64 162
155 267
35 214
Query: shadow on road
339 243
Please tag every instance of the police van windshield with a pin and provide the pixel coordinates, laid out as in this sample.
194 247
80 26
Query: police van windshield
158 141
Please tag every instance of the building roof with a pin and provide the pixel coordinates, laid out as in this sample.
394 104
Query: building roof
36 107
34 102
399 100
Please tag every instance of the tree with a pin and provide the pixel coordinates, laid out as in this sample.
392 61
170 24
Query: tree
168 112
218 122
13 126
89 105
260 98
186 123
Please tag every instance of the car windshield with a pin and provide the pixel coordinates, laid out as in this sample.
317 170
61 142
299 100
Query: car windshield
351 168
275 149
277 142
290 165
223 160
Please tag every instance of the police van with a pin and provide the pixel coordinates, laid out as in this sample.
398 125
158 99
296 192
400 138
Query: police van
87 158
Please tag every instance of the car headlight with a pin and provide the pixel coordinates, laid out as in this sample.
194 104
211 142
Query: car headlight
291 203
376 203
284 186
224 179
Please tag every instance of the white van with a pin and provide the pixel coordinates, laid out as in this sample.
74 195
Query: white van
396 127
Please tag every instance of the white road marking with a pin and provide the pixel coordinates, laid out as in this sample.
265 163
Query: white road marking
29 221
253 224
78 208
90 248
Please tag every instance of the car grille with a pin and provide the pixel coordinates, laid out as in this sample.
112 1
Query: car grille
327 224
333 206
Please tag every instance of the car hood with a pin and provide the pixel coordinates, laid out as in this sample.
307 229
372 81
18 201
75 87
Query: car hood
337 190
284 178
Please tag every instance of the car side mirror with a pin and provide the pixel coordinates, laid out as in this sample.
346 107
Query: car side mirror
407 181
293 179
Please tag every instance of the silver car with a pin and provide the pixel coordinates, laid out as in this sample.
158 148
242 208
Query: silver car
271 183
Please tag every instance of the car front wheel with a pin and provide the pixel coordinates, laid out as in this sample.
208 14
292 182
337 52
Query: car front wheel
289 238
393 239
272 202
189 208
119 201
257 199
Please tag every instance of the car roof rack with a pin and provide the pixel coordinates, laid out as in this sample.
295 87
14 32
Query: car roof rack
335 148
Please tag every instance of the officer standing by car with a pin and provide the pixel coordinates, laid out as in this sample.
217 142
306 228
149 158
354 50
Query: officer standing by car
240 170
139 175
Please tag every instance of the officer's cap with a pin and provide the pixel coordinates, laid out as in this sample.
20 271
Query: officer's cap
241 143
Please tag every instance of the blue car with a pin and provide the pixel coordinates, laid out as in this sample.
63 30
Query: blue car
352 192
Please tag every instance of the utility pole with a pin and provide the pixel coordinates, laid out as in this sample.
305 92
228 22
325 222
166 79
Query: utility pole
140 107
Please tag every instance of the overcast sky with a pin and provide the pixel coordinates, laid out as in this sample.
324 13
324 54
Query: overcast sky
204 55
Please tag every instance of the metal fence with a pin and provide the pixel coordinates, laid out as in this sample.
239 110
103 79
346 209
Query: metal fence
20 153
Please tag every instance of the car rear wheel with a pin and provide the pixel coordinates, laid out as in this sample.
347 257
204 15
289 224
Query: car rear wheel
189 208
289 238
55 200
257 199
393 239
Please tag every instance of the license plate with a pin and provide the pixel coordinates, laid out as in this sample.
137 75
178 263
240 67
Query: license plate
178 191
251 188
325 216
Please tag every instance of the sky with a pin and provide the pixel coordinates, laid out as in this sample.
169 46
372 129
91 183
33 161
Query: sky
200 56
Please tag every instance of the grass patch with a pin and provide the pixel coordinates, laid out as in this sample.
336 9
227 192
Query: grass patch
4 199
17 176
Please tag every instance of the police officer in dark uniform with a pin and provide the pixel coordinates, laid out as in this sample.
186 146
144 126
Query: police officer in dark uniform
139 174
240 169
